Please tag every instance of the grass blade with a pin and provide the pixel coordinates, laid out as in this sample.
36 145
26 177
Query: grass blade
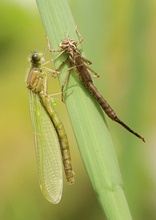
87 119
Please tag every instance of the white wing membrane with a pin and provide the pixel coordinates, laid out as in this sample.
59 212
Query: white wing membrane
47 151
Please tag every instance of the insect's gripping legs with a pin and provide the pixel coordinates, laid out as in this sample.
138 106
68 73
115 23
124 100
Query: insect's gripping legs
61 65
53 51
83 58
63 85
79 35
96 74
86 60
53 73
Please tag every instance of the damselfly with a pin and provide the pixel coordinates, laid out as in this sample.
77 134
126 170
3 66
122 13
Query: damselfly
50 136
76 60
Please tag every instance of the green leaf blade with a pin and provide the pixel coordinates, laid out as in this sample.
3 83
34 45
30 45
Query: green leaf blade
87 119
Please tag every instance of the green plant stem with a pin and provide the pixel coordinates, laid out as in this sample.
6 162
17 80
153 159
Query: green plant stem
87 119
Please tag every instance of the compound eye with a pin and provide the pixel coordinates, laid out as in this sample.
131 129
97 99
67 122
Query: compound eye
35 57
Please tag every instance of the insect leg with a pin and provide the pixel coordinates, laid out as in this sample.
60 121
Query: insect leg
86 60
79 35
63 85
96 74
51 71
61 65
53 51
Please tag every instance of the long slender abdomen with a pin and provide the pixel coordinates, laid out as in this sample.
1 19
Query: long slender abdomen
66 158
102 102
108 110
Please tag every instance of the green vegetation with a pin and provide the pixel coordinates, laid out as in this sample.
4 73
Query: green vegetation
119 39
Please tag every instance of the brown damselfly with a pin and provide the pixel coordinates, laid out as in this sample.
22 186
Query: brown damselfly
80 63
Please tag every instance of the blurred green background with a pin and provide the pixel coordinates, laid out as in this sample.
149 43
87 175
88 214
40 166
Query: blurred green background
119 38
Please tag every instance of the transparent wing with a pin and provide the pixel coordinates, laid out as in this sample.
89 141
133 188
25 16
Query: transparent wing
47 151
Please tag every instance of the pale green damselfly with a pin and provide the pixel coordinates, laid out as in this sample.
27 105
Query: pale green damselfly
50 136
